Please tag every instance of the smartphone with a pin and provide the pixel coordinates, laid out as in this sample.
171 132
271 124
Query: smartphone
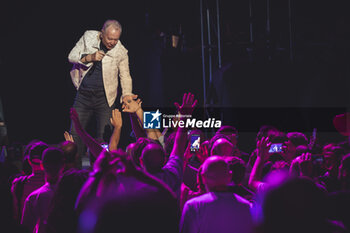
317 158
195 142
276 148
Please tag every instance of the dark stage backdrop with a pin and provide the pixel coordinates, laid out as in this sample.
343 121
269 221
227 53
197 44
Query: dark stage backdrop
36 37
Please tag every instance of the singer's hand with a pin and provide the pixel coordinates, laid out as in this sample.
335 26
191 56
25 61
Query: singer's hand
98 56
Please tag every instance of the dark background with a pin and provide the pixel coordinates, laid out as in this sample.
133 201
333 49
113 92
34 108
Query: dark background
251 89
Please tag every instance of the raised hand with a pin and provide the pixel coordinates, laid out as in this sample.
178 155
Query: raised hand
116 119
305 164
203 153
188 104
68 136
263 146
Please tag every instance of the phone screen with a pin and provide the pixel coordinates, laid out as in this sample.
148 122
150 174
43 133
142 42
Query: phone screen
195 142
317 158
276 148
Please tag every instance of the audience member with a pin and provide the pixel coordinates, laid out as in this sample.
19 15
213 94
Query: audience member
62 217
221 146
24 185
297 205
36 209
218 210
70 154
302 188
294 139
232 133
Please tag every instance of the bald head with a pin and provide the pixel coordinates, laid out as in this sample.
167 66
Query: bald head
215 173
152 158
222 147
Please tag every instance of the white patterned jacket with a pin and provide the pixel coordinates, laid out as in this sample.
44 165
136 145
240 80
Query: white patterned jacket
116 61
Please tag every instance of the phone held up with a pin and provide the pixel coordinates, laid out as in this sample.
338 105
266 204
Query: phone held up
195 142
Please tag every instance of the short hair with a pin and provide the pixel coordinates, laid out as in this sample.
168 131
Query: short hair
28 147
222 147
36 151
237 166
53 160
277 137
70 151
266 131
215 138
153 157
215 170
112 23
137 149
297 138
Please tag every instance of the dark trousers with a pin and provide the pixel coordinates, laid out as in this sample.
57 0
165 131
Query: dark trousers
88 104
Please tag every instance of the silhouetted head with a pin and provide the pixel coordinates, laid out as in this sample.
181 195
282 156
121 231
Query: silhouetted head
53 163
215 173
230 132
134 150
332 156
153 158
266 131
222 147
237 168
70 152
36 154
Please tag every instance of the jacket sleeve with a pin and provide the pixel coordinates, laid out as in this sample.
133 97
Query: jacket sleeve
77 53
125 78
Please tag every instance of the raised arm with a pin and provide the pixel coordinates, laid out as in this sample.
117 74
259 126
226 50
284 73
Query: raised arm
187 107
136 126
262 156
91 143
134 107
117 122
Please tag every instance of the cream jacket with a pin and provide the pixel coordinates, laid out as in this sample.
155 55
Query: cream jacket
115 62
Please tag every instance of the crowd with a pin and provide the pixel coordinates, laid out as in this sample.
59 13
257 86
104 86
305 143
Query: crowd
289 183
